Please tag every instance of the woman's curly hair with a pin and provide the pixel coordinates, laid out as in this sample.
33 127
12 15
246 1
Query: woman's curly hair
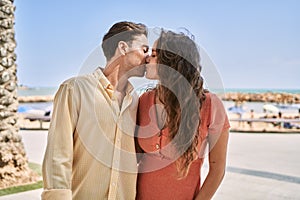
181 92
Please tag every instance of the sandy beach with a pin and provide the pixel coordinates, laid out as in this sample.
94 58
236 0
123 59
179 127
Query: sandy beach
259 166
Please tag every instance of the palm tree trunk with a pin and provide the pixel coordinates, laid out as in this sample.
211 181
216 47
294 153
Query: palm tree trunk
13 162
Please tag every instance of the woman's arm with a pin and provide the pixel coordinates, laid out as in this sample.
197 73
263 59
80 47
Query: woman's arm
217 163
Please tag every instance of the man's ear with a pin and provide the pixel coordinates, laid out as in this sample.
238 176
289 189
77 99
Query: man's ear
123 47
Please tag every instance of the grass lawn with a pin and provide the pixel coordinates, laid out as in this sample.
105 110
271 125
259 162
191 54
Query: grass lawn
22 188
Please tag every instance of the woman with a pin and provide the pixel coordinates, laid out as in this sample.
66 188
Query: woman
177 120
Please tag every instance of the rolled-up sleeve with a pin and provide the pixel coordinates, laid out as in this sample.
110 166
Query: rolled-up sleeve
57 164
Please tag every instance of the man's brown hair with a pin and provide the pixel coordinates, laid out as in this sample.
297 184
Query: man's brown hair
121 31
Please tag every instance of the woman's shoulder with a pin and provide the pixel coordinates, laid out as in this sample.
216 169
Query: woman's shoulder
212 98
212 102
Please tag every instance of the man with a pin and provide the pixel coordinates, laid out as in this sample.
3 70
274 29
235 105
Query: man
90 152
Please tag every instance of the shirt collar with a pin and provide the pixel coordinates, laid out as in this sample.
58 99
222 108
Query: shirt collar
106 84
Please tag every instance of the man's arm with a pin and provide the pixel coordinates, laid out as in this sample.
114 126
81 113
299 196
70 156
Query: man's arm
57 164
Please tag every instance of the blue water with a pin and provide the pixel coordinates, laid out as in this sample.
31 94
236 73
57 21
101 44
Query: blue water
37 91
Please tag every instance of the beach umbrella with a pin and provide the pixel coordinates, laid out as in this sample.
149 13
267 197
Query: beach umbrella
23 109
26 110
270 108
236 109
296 106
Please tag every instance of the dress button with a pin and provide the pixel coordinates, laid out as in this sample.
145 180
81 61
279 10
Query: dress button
157 146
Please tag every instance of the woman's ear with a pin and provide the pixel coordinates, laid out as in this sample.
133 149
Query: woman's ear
123 47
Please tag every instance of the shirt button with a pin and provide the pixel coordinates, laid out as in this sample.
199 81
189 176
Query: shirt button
157 146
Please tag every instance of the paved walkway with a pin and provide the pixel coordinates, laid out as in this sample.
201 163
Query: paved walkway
260 166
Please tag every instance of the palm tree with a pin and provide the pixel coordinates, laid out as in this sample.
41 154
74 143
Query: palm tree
13 163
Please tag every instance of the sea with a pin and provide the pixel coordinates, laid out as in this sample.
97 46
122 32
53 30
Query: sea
247 106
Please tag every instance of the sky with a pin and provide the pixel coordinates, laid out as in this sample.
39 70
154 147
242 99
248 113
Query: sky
252 44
